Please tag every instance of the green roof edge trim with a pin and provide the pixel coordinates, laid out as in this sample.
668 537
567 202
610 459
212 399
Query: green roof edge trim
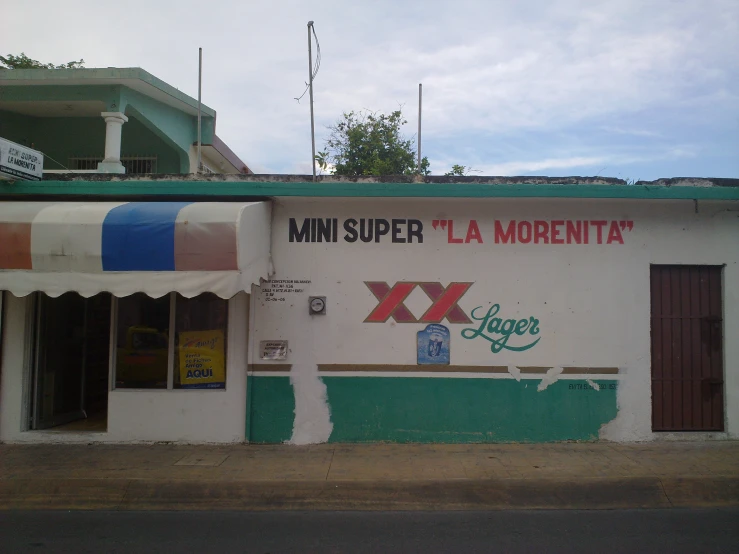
227 188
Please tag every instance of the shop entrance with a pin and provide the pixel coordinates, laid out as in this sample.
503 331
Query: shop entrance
70 375
687 348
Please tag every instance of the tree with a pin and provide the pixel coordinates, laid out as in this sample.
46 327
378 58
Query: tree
370 143
24 62
457 170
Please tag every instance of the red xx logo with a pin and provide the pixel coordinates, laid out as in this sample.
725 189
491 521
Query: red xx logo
391 302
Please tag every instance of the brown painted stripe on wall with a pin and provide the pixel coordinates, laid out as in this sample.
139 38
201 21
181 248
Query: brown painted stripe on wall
590 371
572 370
541 370
384 368
413 368
271 367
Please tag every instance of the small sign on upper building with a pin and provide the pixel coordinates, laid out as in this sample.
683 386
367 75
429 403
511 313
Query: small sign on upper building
20 162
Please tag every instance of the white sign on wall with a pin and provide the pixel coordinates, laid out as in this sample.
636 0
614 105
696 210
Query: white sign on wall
20 162
273 349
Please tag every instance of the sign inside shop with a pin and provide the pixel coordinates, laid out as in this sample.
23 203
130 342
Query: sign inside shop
202 359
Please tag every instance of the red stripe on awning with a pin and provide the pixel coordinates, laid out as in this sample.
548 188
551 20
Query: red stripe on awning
15 245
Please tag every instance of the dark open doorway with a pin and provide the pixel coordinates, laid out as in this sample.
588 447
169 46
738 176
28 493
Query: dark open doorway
70 381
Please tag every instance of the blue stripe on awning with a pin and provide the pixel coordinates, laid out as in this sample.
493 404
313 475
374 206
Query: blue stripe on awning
139 236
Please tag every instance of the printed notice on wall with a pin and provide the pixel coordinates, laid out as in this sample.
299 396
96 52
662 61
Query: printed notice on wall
279 289
202 360
273 349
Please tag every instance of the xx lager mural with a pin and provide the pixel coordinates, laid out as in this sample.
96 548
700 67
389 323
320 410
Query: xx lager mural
391 302
440 327
498 330
493 328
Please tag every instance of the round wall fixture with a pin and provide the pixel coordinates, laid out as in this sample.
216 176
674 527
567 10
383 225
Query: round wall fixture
317 305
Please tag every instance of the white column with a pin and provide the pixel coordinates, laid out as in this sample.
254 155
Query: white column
113 126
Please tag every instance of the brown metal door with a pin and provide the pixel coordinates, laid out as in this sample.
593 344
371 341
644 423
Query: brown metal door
687 348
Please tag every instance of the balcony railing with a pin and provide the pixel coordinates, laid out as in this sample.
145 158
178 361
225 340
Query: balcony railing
134 165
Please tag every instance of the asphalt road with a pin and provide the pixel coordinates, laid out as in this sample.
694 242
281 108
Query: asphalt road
630 531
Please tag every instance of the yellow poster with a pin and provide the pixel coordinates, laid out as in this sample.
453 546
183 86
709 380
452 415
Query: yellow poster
202 360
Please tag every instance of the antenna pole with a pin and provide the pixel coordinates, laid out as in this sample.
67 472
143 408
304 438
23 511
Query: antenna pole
200 109
310 87
420 86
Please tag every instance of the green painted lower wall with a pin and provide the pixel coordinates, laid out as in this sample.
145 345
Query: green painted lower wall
440 410
272 410
465 410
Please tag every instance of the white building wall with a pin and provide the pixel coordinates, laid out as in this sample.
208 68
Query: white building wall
593 301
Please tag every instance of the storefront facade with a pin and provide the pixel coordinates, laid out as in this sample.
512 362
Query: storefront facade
128 321
489 314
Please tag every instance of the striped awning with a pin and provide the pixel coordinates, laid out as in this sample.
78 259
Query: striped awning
123 248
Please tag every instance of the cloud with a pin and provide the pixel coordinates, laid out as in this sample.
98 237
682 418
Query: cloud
631 132
518 168
593 164
493 71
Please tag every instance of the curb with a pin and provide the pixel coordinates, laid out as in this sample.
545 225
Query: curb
489 494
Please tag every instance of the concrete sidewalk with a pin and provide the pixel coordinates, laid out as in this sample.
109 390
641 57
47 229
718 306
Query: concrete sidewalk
369 477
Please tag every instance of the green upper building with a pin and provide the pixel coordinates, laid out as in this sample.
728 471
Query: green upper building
110 120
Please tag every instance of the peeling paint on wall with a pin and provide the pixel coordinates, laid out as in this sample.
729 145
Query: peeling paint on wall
312 423
515 372
552 376
633 396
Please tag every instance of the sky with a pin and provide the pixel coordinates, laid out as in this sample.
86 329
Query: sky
634 89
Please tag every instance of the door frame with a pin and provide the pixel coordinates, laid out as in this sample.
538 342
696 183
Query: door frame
37 423
2 339
722 298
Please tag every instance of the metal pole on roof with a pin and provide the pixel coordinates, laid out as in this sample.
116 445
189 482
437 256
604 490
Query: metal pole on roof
310 88
420 86
200 108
